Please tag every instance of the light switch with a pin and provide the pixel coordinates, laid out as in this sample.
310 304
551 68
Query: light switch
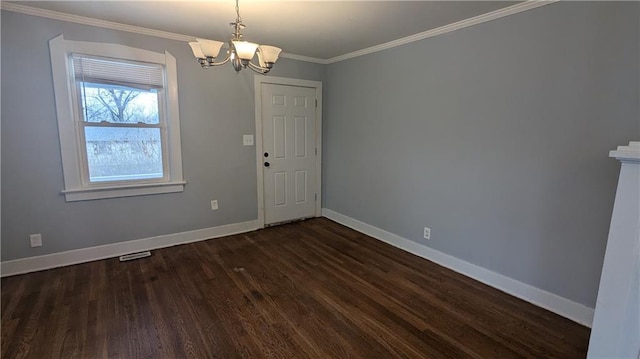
247 140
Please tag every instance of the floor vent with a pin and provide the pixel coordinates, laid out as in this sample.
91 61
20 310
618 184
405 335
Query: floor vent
132 256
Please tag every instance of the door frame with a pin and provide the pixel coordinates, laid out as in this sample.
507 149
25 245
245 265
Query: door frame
317 85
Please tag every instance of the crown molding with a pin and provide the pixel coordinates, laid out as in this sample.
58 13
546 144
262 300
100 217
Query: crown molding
315 60
514 9
510 10
28 10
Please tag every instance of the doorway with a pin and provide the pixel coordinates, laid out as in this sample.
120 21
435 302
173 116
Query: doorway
288 149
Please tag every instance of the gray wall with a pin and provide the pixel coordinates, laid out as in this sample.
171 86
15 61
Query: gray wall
495 136
216 109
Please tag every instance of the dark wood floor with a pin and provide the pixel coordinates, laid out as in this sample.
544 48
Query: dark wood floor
312 289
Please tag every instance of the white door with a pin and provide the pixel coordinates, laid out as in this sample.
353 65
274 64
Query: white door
289 146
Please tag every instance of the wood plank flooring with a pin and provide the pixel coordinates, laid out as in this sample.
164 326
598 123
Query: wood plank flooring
312 289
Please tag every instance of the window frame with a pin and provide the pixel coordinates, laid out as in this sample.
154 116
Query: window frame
77 186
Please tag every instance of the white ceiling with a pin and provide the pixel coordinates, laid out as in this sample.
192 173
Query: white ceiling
318 29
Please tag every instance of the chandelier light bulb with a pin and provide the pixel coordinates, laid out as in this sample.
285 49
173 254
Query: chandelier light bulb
210 48
245 49
197 50
268 53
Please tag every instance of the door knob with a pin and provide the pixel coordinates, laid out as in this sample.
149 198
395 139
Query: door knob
266 164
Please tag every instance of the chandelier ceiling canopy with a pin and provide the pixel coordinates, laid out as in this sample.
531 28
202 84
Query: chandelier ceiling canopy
240 52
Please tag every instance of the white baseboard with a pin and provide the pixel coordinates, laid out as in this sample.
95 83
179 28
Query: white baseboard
48 261
562 306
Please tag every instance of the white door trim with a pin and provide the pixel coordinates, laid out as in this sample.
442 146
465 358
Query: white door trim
317 85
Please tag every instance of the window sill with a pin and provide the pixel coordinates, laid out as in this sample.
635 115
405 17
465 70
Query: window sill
87 194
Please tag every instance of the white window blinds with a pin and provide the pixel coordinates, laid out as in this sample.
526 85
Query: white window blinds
105 71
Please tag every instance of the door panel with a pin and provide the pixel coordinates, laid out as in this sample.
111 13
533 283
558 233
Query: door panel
301 187
279 137
301 136
288 135
280 188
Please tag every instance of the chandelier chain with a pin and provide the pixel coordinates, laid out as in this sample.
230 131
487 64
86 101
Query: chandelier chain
238 18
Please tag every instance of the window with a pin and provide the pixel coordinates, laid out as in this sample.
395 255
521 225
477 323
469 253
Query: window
120 118
117 111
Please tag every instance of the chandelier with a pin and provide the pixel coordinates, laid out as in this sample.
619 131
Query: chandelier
240 52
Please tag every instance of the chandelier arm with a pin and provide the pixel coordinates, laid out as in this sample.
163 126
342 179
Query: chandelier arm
221 62
258 69
204 62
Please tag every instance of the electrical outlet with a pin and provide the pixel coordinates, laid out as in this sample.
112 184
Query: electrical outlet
36 240
214 204
427 233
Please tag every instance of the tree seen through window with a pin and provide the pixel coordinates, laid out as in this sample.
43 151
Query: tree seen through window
122 135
